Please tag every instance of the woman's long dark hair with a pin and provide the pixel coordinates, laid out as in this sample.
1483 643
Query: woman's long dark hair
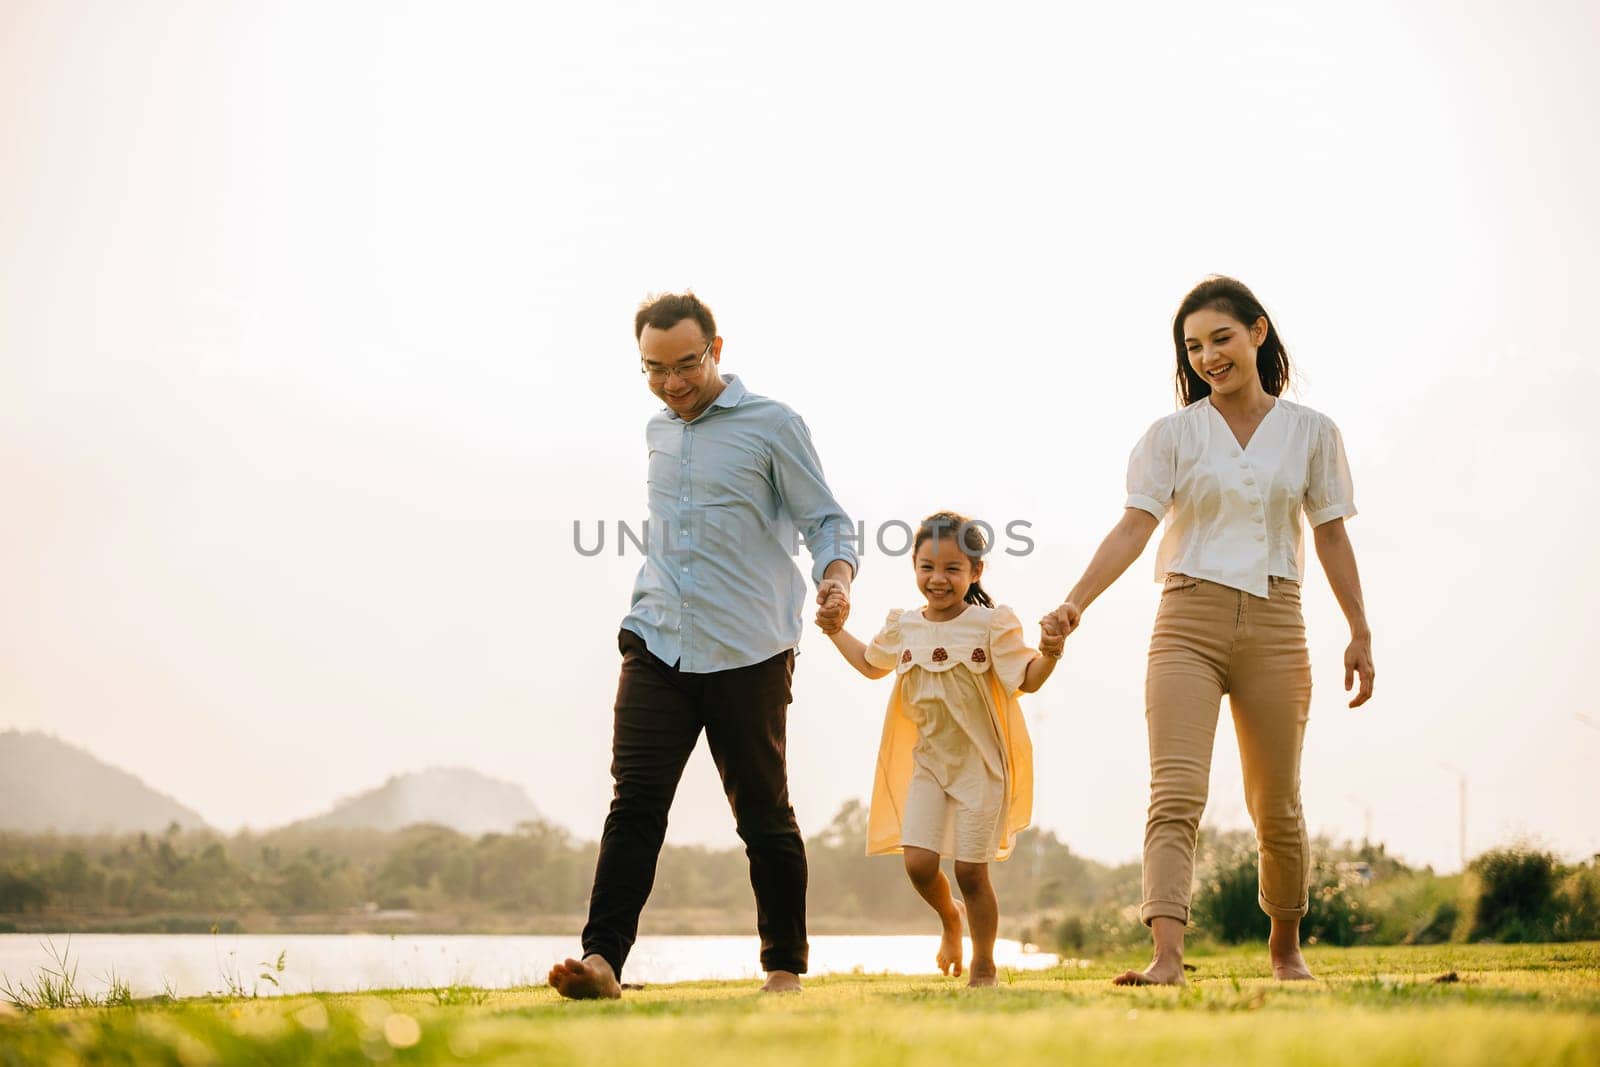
969 537
1234 299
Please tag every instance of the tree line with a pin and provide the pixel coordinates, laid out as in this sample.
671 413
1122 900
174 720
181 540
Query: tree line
536 879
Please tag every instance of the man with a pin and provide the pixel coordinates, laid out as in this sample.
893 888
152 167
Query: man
709 642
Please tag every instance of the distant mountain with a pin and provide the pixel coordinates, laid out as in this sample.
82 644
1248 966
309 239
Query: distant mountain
461 799
47 784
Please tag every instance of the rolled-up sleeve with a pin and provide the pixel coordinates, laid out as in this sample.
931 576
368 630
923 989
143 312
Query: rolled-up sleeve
805 497
1153 470
1330 493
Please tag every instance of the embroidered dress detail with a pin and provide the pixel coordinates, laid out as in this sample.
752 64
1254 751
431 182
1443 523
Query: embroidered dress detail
906 657
979 656
940 655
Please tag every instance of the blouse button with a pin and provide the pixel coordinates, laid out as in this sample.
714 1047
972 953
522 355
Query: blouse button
1249 479
1261 537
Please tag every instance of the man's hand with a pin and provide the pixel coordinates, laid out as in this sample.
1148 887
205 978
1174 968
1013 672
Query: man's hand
833 604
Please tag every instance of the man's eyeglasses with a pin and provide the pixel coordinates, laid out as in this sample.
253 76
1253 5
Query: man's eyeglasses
657 374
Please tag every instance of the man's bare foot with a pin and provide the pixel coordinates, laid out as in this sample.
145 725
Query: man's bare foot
781 982
950 943
590 978
1290 967
983 974
1160 972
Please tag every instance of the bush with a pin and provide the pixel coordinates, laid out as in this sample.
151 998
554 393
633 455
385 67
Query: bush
1418 908
1578 902
1104 930
1512 895
1338 911
1226 904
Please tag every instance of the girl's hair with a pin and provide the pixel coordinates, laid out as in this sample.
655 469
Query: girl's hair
969 537
1234 299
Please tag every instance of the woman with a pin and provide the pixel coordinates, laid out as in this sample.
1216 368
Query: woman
1231 472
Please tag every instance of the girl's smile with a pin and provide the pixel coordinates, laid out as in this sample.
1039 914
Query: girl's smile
944 574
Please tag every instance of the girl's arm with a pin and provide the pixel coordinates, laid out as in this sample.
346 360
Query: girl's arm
1039 669
1116 554
1339 563
1051 642
855 653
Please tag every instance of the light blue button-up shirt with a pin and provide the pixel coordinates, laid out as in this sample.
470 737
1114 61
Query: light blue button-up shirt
730 493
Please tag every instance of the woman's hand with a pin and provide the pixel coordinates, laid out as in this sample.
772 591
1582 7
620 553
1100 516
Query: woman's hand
1065 619
1358 662
1339 561
1052 639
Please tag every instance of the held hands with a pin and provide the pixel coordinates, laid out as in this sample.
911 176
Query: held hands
1052 640
1358 661
1065 619
833 605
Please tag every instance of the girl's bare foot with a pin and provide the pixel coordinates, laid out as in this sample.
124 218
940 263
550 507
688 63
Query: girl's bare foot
590 978
950 943
983 974
1162 971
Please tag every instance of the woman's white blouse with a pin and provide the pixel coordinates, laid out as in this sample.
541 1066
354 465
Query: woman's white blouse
1233 514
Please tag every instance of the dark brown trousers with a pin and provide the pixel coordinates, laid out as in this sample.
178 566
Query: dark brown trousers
660 712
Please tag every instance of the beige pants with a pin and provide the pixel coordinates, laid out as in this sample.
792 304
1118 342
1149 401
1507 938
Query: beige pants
1209 640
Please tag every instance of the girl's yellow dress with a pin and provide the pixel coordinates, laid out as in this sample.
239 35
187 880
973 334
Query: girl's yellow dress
955 767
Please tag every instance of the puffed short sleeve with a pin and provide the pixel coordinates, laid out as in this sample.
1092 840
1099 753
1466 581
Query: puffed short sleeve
884 651
1330 494
1153 470
1008 649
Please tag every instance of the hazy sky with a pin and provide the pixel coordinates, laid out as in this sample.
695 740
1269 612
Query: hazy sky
315 340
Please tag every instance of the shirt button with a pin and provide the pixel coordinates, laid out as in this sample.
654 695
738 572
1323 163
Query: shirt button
684 567
1235 455
685 604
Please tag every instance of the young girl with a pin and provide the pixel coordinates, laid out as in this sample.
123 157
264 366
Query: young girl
955 769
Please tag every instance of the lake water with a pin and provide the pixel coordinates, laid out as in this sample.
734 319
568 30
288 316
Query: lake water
195 964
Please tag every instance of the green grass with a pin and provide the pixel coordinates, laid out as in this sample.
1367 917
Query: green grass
1509 1005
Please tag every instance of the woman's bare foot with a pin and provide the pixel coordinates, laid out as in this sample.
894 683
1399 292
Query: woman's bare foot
950 943
590 978
1290 966
781 982
1162 971
1283 948
983 974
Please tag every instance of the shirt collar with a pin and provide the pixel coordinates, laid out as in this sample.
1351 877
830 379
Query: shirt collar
733 391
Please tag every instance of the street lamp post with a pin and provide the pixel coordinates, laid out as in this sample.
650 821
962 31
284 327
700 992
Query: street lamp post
1461 830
